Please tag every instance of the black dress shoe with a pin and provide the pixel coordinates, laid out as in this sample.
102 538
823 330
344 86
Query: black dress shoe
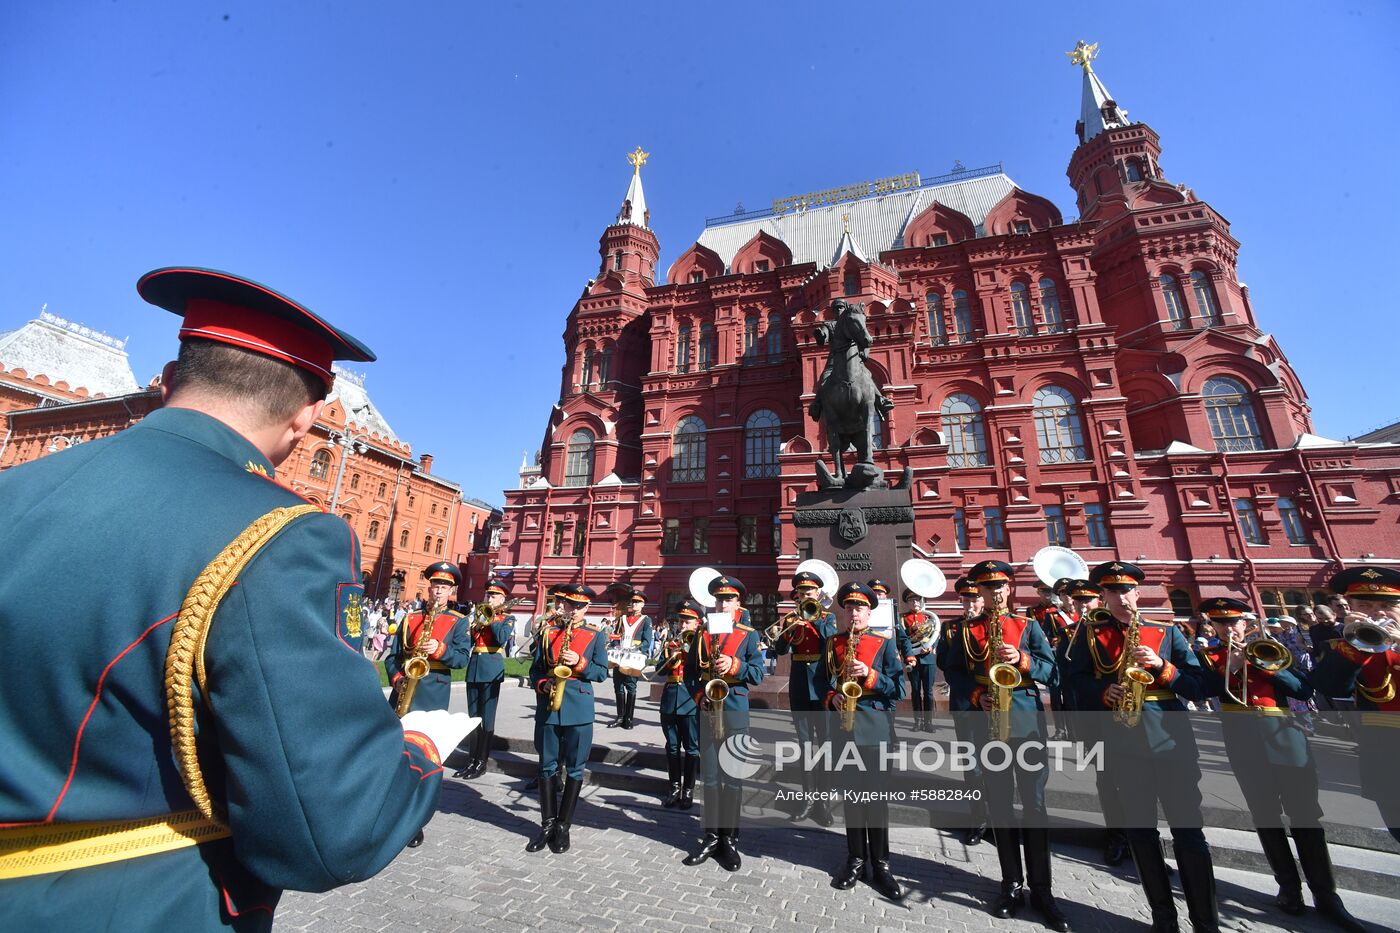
1330 906
1043 903
1116 851
726 855
1290 901
464 771
1013 895
416 841
974 835
804 811
542 838
559 842
847 877
884 881
708 845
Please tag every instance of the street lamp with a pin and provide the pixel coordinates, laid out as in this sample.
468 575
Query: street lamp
350 441
73 441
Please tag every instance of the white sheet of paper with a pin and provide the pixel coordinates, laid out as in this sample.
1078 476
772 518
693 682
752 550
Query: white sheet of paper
882 617
446 730
719 623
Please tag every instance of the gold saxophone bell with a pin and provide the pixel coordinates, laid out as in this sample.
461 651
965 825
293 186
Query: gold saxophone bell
416 668
716 692
562 673
850 693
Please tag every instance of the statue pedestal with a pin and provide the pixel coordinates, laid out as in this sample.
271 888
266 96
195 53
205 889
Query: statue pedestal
863 533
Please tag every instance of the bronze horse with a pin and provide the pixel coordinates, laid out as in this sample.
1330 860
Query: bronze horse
846 397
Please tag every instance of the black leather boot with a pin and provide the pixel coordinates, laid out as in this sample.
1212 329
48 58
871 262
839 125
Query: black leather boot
1198 886
619 703
1317 867
1013 890
1279 855
978 830
1037 845
417 840
805 803
881 878
1156 886
856 854
708 845
473 745
673 770
547 816
1115 848
688 781
631 711
483 754
559 843
727 852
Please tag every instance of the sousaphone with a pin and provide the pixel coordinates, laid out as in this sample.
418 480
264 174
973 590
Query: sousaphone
1052 564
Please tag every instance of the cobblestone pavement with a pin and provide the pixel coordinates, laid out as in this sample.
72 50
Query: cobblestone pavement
624 872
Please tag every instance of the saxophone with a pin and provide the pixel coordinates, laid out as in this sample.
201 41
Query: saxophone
1131 677
1004 678
562 672
851 690
717 688
415 666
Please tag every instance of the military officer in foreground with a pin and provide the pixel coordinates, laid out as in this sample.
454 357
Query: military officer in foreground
719 670
804 637
961 683
486 671
297 781
570 657
1367 663
633 633
1150 748
1271 757
860 679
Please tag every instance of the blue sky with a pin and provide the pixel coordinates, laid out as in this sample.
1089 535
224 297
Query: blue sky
434 177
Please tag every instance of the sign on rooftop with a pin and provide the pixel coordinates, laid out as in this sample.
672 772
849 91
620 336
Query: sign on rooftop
863 189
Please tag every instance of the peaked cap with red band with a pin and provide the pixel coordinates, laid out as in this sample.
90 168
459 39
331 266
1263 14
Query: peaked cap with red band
443 572
1223 608
965 587
495 585
228 309
991 573
724 585
1365 582
860 594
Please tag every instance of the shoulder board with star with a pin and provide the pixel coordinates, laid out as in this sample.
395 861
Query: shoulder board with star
741 627
454 612
1150 624
880 635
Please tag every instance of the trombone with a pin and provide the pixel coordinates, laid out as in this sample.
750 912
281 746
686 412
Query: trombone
807 611
1263 652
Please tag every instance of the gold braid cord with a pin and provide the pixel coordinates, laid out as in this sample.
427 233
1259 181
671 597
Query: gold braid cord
184 662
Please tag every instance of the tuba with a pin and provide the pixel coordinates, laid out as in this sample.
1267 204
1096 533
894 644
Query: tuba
1131 677
415 666
1004 678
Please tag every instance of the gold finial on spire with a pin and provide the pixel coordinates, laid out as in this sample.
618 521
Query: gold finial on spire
846 222
1083 54
638 159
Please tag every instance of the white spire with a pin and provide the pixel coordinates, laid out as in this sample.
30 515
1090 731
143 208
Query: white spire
848 244
634 206
1098 111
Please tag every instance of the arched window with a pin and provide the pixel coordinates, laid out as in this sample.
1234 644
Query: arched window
1050 307
851 283
775 336
761 444
1057 427
383 488
403 538
321 464
1021 309
937 326
707 345
1176 303
877 430
374 530
965 431
683 349
587 379
1231 415
427 543
354 481
1182 607
432 509
437 548
751 339
605 366
1204 291
962 316
578 466
688 451
1134 170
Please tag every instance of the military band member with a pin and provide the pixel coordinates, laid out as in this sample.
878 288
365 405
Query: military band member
920 632
1024 648
1085 597
632 632
960 686
486 671
1271 758
564 735
678 710
1044 612
312 781
862 661
1370 672
806 641
1152 756
722 665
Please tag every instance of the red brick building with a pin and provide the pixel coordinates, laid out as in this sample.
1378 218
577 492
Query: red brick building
63 384
1100 383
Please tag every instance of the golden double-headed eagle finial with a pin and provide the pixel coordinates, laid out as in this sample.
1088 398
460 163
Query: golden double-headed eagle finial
1082 54
638 158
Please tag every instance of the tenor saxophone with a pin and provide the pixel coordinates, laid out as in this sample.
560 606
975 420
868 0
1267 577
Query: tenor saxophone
1132 677
851 690
562 672
716 690
415 666
1004 678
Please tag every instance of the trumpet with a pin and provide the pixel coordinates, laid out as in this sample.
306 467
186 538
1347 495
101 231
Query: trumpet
483 614
1369 636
